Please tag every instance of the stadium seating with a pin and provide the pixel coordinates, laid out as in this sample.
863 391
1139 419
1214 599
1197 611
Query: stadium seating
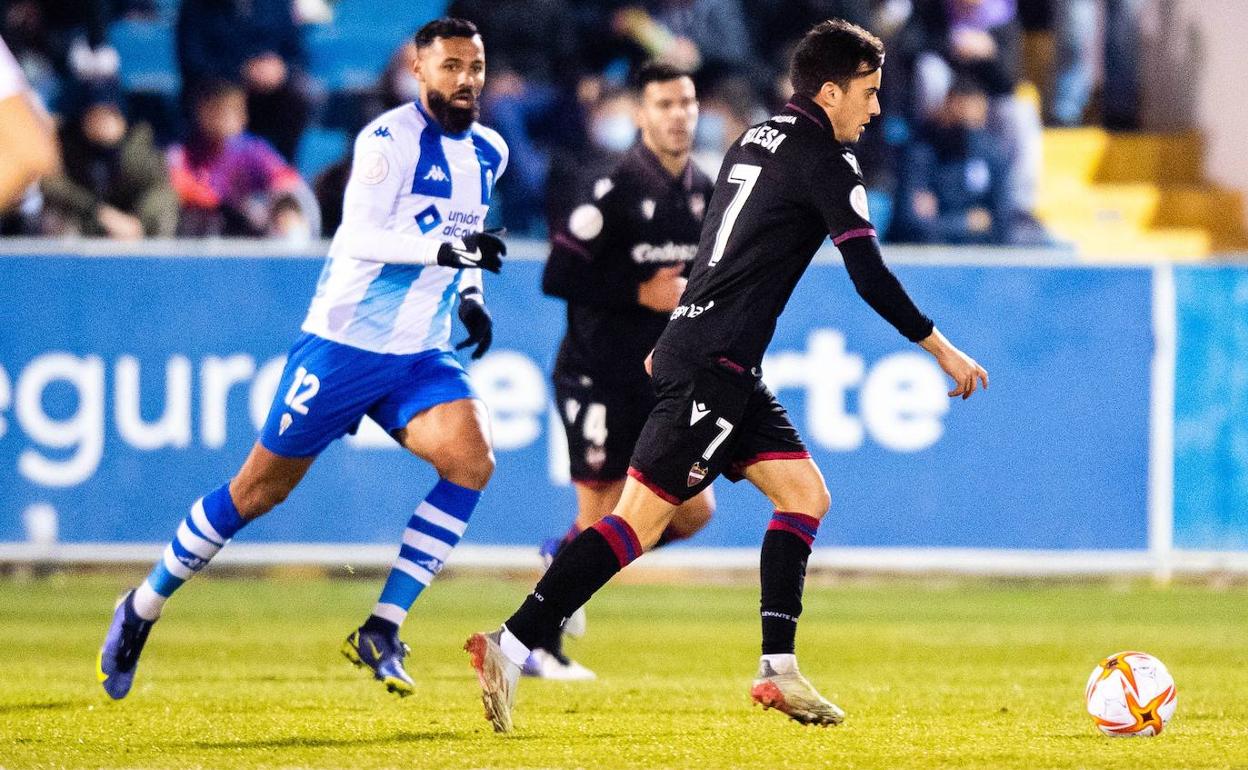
1133 195
148 62
318 148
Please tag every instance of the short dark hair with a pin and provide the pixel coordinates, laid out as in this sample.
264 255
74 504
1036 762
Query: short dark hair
212 89
656 72
446 26
834 51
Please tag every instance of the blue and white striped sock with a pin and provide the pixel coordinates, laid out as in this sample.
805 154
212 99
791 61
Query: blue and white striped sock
435 529
213 520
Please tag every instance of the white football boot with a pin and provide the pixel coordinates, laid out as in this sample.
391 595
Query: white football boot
793 694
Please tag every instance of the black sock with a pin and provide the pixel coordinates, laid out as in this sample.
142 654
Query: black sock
581 568
782 572
380 625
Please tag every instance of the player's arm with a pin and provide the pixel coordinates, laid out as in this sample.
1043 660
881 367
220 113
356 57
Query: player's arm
581 268
28 148
841 197
372 192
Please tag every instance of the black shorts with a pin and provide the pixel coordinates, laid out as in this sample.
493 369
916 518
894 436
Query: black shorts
710 419
602 422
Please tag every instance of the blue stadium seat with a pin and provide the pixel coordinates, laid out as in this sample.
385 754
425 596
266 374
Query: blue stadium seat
349 60
403 16
318 148
147 56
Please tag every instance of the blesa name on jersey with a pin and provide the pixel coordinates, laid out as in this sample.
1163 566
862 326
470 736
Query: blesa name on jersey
764 136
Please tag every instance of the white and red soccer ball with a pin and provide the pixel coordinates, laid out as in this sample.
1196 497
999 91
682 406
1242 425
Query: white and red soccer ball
1130 694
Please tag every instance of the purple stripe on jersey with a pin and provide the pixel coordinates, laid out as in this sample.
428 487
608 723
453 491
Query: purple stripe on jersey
798 524
795 108
862 232
562 239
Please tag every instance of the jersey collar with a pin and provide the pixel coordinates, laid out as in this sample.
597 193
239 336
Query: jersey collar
436 126
806 107
684 179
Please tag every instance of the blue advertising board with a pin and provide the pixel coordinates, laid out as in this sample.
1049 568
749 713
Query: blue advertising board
130 385
1211 409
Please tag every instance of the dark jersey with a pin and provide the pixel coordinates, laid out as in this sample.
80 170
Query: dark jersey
629 224
784 187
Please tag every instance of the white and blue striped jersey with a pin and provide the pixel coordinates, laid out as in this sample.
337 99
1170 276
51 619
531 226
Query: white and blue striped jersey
413 187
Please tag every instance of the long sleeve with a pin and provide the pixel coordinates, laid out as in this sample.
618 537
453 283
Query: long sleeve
372 192
579 269
837 188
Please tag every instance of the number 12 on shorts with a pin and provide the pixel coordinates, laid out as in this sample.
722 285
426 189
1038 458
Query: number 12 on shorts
305 386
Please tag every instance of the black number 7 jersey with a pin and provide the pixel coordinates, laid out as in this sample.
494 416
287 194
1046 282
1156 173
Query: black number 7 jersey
784 187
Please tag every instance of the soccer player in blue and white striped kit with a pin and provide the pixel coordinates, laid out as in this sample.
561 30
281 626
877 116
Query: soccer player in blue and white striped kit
375 342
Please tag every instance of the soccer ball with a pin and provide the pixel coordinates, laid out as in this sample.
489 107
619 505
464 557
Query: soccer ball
1130 694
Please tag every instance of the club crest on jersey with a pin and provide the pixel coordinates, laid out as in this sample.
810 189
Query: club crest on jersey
697 474
647 208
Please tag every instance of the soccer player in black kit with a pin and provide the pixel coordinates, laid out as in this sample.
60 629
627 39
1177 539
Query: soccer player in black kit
619 259
785 185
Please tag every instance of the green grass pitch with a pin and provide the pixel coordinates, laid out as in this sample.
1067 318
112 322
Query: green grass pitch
245 673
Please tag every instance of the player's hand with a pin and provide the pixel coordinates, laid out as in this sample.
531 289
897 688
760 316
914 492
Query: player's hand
650 363
477 321
964 370
662 291
482 250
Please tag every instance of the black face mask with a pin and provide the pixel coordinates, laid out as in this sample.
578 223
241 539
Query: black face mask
454 119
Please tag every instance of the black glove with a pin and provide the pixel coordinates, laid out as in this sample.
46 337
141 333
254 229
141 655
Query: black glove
476 319
480 250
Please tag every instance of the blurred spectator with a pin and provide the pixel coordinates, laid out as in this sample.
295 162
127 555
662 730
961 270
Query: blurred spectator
775 26
1077 31
704 36
397 85
329 187
951 181
530 94
728 109
612 129
230 182
113 181
980 40
254 43
59 42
